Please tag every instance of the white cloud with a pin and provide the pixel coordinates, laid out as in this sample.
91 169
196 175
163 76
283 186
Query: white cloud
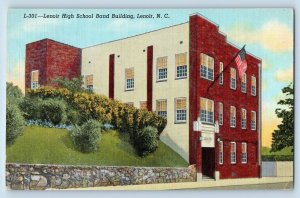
285 75
273 35
35 25
17 75
127 24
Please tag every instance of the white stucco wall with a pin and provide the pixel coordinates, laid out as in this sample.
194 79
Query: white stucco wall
166 42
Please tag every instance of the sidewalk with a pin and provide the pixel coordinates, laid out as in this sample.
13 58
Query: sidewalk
193 185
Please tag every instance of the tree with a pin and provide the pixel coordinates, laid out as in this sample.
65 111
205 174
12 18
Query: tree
13 93
284 135
74 85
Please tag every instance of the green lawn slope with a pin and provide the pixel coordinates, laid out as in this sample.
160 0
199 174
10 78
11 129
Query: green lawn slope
40 145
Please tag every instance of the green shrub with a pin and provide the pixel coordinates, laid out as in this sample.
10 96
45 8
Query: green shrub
53 110
13 93
86 136
30 106
277 157
123 117
14 122
145 141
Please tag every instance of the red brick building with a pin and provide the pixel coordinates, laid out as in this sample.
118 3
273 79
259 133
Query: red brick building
169 71
47 59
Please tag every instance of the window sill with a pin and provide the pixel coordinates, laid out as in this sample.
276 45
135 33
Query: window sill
233 127
244 163
161 80
206 78
180 122
179 78
233 88
208 123
129 89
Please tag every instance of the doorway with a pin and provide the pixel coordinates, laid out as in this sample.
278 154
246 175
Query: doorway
208 162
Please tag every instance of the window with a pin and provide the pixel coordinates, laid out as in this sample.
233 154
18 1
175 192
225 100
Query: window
207 110
253 120
232 152
181 66
221 74
129 104
220 113
89 82
244 83
253 86
129 77
180 110
143 105
220 152
161 68
232 116
244 118
244 152
207 67
161 107
35 79
232 78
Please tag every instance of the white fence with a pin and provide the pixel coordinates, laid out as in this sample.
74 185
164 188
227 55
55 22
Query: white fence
277 168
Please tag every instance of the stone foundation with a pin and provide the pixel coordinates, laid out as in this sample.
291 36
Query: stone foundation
40 177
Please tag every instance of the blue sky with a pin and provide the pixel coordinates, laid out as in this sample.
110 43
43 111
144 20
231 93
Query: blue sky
267 33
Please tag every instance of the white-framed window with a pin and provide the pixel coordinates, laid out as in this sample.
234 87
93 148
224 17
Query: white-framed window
35 79
206 67
233 152
253 120
131 104
244 83
161 68
181 65
180 110
232 78
89 82
220 152
143 105
161 107
206 110
129 79
244 118
232 116
244 152
253 86
221 78
220 113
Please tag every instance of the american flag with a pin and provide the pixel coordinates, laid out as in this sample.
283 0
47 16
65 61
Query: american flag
241 62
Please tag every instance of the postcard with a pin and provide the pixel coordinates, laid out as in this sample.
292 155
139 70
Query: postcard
150 99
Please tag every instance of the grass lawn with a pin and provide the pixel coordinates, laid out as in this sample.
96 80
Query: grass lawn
54 146
285 151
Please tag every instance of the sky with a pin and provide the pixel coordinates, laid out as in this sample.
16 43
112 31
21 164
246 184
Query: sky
267 33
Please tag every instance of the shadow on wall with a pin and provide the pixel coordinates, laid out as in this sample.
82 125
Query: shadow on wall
168 141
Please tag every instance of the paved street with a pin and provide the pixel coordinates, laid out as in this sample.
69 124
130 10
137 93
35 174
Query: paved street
234 184
275 186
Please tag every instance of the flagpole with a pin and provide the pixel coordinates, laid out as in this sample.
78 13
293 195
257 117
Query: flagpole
207 90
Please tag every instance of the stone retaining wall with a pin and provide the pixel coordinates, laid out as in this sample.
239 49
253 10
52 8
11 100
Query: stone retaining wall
40 177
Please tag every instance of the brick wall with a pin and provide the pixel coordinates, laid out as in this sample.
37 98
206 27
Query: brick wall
205 38
52 59
40 177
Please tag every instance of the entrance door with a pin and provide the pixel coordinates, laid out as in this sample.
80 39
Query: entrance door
208 162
